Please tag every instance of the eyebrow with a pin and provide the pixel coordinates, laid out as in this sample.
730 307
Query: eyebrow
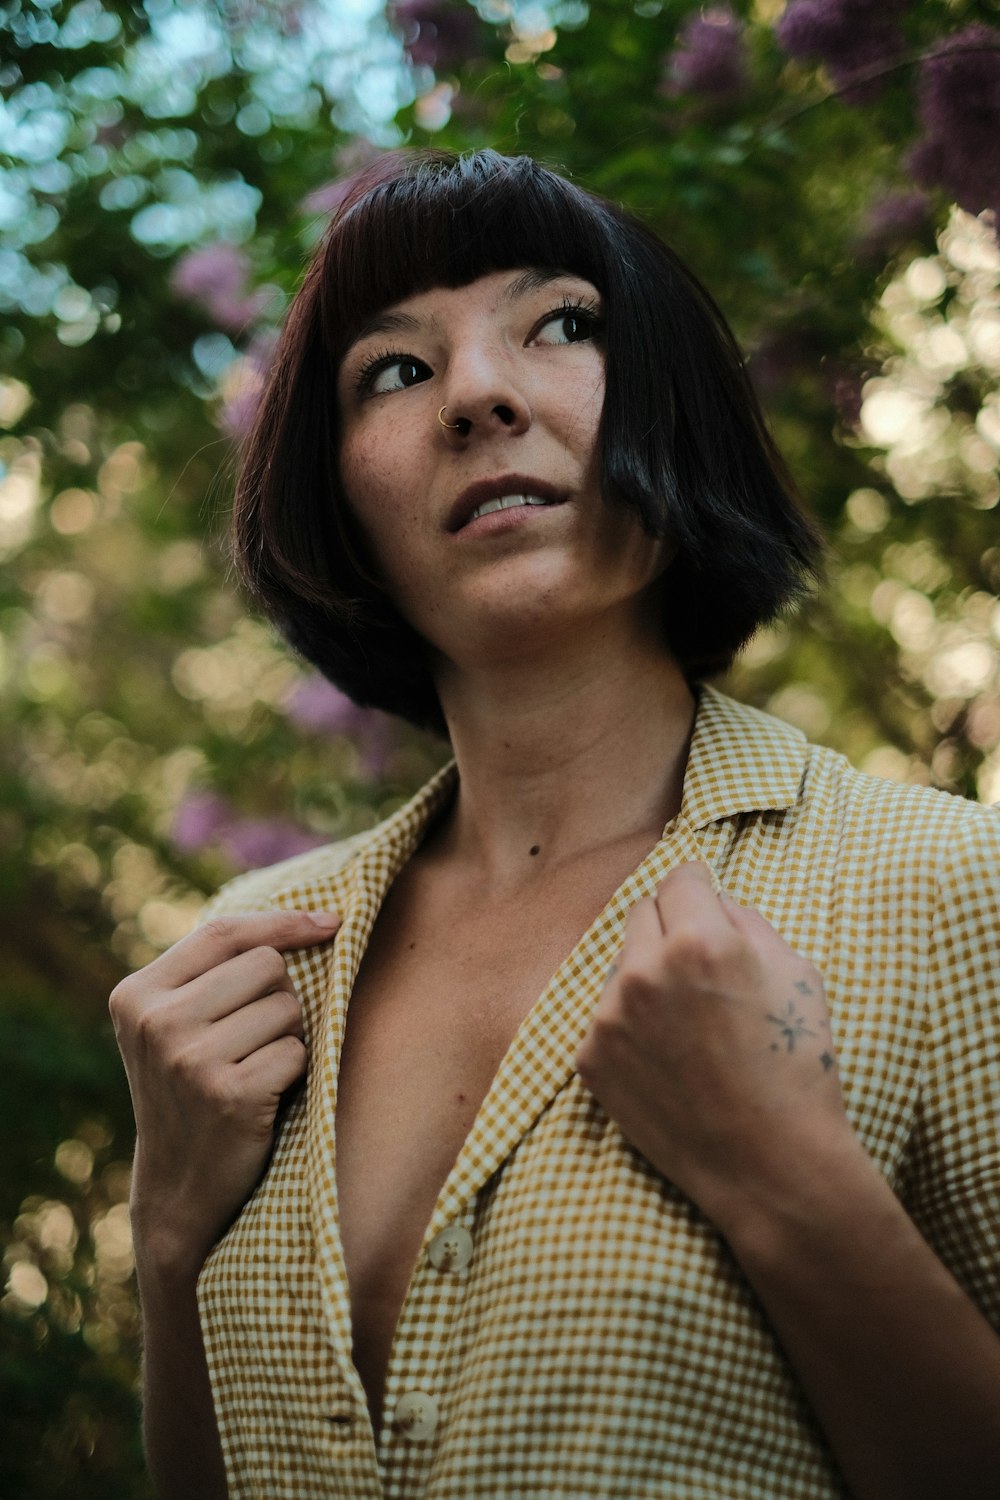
385 322
531 280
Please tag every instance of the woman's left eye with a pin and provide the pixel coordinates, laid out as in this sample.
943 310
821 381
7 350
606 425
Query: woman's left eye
568 325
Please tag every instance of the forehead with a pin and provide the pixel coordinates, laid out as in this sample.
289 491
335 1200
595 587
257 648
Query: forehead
492 292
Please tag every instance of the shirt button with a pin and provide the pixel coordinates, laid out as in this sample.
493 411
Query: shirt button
451 1249
416 1415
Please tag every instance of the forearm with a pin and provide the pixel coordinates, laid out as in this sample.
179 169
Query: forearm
902 1370
179 1429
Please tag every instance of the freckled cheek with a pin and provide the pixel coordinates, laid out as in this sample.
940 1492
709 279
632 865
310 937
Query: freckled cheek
380 494
374 488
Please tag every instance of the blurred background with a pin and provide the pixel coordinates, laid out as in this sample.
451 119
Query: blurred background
829 167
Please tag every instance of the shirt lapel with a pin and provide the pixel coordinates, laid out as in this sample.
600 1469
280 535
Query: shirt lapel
740 760
540 1060
324 978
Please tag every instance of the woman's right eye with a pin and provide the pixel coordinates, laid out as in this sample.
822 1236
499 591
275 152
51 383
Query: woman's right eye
391 372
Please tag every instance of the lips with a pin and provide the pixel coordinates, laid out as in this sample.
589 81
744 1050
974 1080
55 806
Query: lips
485 490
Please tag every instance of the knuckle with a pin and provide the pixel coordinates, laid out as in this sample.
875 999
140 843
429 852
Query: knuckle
151 1026
223 1090
268 965
181 1057
294 1048
283 1061
120 999
290 1011
638 986
605 1027
694 955
220 929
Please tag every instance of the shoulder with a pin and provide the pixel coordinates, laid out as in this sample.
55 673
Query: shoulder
258 889
890 819
819 825
915 859
746 761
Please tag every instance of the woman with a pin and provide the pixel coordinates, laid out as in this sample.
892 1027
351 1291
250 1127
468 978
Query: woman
648 1143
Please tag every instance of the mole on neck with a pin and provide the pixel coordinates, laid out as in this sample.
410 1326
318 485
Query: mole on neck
534 849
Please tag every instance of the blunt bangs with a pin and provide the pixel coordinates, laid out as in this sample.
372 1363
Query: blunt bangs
683 443
446 221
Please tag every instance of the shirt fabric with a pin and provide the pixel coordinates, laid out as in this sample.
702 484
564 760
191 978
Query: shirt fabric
574 1327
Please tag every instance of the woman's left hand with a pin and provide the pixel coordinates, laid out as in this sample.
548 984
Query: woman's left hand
711 1049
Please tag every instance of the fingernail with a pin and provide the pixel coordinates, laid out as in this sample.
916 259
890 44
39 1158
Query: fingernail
325 920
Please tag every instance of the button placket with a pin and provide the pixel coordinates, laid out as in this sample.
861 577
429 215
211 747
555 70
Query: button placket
421 1369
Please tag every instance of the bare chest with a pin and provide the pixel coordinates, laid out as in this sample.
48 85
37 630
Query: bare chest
434 1009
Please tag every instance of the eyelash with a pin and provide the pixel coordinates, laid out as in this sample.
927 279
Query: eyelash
577 307
378 361
381 359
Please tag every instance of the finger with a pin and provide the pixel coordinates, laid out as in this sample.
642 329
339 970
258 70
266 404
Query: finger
276 1066
687 898
238 1036
232 985
644 929
224 937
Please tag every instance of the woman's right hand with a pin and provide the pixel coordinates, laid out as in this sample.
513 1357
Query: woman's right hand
211 1036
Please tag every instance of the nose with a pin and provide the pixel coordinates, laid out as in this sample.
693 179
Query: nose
484 398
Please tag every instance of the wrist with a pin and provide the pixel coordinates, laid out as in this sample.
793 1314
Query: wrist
165 1266
168 1246
166 1253
805 1203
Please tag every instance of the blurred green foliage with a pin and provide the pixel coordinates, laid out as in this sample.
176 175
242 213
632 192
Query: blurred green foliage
166 168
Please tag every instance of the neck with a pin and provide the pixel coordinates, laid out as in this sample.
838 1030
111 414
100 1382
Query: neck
561 757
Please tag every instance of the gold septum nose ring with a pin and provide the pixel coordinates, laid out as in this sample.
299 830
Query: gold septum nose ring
452 426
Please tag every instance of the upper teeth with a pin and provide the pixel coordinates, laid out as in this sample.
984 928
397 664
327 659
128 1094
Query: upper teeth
506 502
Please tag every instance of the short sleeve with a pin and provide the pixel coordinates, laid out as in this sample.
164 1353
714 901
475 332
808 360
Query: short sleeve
955 1181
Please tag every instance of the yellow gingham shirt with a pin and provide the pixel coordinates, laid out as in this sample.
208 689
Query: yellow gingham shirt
589 1334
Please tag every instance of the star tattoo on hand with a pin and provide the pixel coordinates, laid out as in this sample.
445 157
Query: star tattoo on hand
790 1026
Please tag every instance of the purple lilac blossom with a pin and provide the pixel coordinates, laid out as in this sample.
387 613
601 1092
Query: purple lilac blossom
249 843
240 406
319 707
348 161
710 56
779 359
328 198
437 34
238 411
959 102
198 820
847 36
215 277
844 388
323 708
205 820
893 219
376 744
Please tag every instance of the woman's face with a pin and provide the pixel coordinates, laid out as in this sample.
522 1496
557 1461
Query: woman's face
516 360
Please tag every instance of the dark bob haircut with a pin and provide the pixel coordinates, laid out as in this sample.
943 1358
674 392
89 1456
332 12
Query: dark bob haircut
683 443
